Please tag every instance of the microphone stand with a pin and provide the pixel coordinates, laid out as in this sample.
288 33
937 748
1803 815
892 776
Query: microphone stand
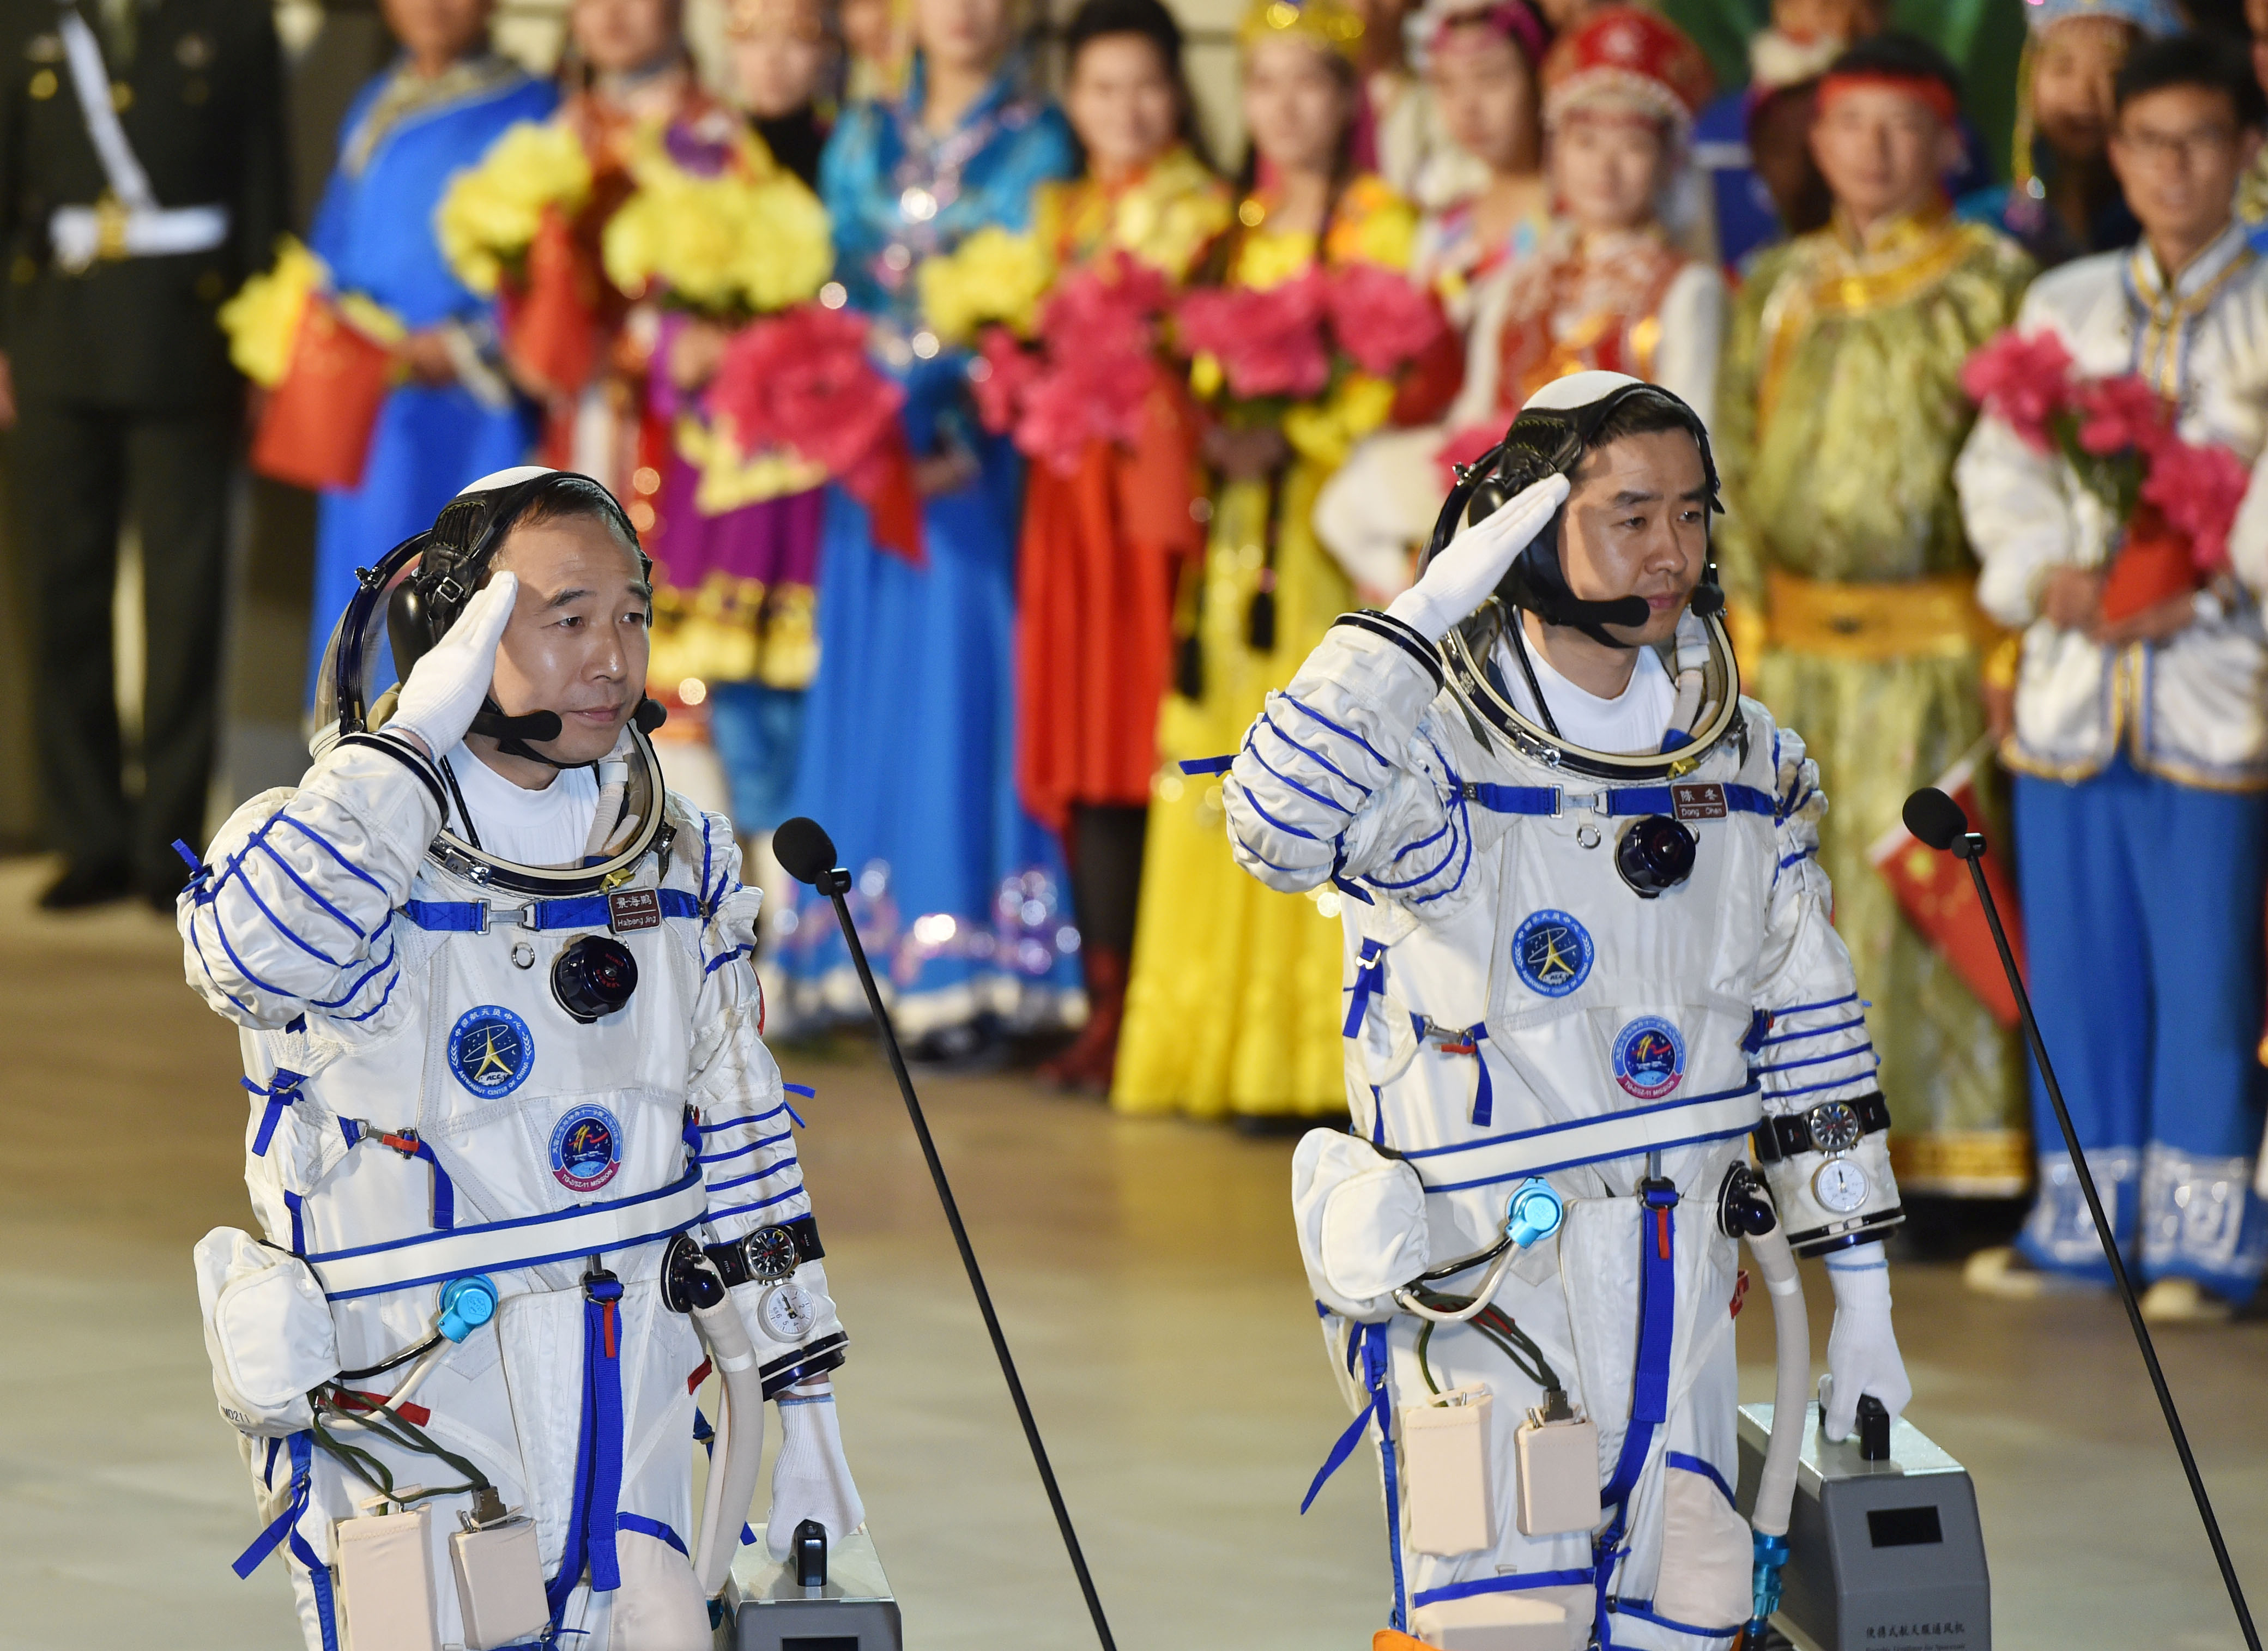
836 884
1969 846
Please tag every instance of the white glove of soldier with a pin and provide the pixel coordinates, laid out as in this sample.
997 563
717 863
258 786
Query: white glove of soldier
444 689
1474 563
1361 1217
1862 1349
811 1479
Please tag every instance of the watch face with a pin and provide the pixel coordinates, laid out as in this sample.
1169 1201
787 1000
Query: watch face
787 1312
772 1253
1834 1127
1840 1186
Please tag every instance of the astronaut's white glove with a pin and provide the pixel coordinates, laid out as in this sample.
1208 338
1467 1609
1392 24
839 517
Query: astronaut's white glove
1473 564
1361 1217
444 689
811 1479
1862 1349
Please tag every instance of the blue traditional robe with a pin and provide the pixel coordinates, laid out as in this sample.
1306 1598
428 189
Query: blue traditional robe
908 749
403 141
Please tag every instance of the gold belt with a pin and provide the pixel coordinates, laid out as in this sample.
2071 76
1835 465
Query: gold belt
1936 617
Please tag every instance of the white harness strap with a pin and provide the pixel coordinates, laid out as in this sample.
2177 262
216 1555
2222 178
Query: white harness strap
136 226
1588 1140
433 1257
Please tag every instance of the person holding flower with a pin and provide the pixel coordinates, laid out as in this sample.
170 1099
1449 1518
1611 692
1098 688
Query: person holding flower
1233 1003
455 416
1609 289
2113 489
1107 528
961 890
1840 415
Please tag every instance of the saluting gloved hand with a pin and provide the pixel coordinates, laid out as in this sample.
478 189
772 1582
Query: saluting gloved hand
1473 564
1862 1349
811 1479
445 688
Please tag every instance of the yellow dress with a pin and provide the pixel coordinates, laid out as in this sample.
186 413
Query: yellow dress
1839 414
1234 1003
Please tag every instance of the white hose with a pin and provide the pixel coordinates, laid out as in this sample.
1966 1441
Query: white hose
739 1447
1792 1392
1407 1296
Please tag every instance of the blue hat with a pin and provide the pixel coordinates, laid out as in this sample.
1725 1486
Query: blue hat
2153 18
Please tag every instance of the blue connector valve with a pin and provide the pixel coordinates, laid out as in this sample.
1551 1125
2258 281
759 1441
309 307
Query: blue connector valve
1534 1213
466 1304
1771 1557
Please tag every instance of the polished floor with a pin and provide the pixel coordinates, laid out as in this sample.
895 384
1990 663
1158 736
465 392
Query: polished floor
1147 1277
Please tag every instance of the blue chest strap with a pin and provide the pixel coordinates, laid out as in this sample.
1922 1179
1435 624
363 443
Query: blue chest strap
583 912
1619 802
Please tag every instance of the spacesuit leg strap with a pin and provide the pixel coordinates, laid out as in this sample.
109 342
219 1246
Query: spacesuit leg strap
1366 1357
1650 1380
285 1528
594 1516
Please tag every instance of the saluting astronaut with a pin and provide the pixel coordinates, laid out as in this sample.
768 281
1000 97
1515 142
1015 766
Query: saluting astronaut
502 1036
1587 949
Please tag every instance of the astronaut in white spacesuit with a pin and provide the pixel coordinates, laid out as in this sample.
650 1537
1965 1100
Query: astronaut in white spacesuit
511 1115
1587 945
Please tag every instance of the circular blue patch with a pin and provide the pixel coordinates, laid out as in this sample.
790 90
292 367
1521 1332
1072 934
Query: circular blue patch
1552 952
586 1148
490 1050
1649 1058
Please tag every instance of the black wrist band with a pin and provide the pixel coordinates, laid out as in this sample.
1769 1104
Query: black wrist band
1401 636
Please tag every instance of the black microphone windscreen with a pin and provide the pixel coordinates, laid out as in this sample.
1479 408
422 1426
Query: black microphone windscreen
1934 817
804 850
1708 600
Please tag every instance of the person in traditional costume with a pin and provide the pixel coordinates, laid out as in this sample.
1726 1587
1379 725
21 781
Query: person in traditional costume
455 416
580 223
1839 414
1399 131
1481 62
1609 291
1234 1004
1105 546
2140 742
748 561
2061 200
961 893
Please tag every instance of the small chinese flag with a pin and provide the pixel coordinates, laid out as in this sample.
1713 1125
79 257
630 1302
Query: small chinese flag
1935 891
315 431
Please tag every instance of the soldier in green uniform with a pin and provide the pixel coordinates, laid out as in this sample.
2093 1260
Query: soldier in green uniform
142 177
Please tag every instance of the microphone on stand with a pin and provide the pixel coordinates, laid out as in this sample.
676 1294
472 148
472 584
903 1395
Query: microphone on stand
807 854
1938 820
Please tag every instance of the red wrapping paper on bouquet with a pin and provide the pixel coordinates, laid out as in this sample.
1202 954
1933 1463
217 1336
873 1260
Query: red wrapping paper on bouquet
550 314
1939 898
315 431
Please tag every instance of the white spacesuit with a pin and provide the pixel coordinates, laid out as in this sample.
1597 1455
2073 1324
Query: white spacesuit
1535 992
447 1086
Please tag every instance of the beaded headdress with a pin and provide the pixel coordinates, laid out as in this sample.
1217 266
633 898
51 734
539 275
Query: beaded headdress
1333 24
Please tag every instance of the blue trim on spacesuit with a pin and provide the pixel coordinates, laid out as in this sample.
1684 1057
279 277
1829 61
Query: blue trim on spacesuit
742 1151
1649 1380
760 1203
1866 1048
285 1527
1366 1344
1312 795
581 911
788 1162
654 1528
1519 1582
282 1090
593 1516
1817 1031
1631 1608
1310 753
1576 1124
1695 1465
1344 733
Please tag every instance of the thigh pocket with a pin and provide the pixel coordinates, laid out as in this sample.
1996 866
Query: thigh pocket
1708 1556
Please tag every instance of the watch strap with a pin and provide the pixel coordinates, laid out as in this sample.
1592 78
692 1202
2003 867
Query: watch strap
1789 1135
732 1259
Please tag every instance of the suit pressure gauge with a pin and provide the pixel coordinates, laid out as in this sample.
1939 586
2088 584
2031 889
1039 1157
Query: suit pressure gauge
787 1312
1840 1186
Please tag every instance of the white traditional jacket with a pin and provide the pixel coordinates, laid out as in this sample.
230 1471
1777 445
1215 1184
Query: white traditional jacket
2193 709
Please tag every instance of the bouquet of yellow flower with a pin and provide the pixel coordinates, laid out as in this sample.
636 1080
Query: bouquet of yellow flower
750 239
993 276
492 212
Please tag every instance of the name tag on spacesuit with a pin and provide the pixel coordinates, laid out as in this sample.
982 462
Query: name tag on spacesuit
629 910
1704 801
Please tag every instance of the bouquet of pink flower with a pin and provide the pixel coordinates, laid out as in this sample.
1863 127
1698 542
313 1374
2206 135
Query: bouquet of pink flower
2175 500
1086 374
1298 338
